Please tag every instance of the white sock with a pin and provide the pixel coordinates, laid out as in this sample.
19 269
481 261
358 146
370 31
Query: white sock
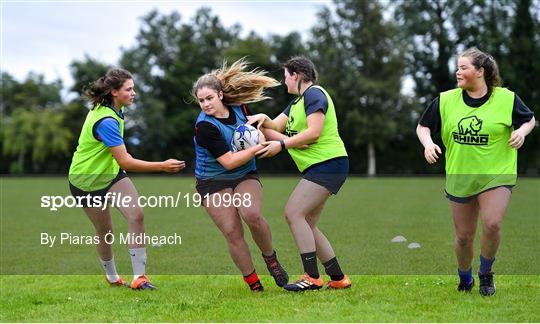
138 261
110 270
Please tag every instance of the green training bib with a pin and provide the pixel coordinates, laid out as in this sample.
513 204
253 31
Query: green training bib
328 146
478 156
93 166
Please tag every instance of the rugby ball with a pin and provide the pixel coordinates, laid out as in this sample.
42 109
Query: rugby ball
244 137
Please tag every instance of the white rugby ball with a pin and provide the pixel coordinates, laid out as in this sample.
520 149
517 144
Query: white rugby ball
245 136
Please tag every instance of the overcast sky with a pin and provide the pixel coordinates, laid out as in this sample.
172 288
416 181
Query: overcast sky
46 36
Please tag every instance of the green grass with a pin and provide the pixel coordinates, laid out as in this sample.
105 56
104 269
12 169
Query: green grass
198 281
224 298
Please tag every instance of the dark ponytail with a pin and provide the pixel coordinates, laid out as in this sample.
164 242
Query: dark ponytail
302 66
99 91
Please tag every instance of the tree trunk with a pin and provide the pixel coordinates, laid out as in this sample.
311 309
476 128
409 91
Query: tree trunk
371 171
20 162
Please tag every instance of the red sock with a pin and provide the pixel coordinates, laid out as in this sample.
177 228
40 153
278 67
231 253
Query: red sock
251 278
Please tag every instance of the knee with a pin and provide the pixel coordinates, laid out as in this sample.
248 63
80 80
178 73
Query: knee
137 216
464 239
492 227
233 235
252 218
291 215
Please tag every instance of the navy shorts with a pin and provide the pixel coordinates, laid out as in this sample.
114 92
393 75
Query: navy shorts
465 200
210 186
76 192
330 174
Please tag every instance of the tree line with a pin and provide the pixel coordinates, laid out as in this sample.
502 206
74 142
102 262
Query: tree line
381 61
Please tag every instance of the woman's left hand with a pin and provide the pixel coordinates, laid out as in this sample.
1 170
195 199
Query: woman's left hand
270 149
258 118
516 139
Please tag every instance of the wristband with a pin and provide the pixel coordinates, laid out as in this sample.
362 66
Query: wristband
282 142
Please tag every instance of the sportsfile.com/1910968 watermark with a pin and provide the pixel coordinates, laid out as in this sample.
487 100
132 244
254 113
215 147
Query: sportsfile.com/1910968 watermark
115 199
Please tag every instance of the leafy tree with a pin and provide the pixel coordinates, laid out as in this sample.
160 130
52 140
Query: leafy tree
168 59
524 53
7 93
32 123
427 28
524 58
17 137
362 68
34 132
32 92
86 71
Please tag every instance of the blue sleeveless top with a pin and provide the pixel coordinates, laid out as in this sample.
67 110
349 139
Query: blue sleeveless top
206 165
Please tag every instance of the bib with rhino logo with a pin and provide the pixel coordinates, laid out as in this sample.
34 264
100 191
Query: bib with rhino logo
468 132
478 156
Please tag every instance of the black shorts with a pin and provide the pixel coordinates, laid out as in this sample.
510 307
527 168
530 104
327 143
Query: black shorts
211 186
330 174
76 192
465 200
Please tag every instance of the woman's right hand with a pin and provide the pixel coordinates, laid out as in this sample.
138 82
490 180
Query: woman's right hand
172 165
269 149
430 152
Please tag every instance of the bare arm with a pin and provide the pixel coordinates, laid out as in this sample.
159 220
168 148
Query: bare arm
277 124
308 136
430 149
272 135
128 163
517 138
281 122
232 160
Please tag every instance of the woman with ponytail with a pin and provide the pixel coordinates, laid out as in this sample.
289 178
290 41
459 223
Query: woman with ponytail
97 172
482 127
222 173
308 130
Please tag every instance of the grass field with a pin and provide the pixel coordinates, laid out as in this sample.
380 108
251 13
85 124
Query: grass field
198 282
224 298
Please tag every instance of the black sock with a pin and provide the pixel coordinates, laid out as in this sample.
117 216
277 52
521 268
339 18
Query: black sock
309 260
268 258
333 270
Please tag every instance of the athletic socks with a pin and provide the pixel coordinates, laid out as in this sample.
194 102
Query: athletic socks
269 258
485 267
331 267
253 281
110 270
138 261
485 264
465 276
309 260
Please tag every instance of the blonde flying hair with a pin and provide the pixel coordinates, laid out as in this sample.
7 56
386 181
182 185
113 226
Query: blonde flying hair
239 85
